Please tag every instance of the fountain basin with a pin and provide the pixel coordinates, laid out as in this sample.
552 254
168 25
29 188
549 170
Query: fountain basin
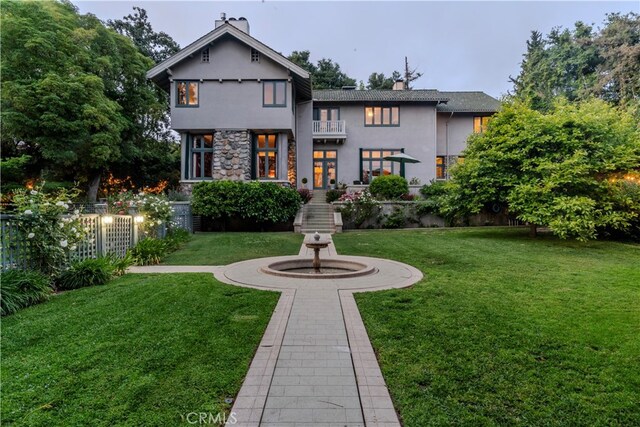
303 268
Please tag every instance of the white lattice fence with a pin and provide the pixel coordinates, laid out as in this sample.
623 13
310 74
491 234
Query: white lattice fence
88 248
118 236
15 253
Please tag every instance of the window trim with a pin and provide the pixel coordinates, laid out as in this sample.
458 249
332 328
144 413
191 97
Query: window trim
177 98
381 150
273 83
191 151
316 113
267 149
390 107
484 122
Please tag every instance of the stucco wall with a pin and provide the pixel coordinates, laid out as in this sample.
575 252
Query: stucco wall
304 144
231 104
460 126
416 134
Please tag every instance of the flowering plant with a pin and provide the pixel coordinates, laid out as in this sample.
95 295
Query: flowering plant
359 207
155 208
47 226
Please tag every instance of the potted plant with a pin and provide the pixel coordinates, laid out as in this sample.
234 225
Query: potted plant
333 184
304 182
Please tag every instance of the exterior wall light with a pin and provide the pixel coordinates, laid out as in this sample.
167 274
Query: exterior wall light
138 219
107 219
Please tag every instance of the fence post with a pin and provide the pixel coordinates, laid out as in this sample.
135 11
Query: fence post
102 232
134 232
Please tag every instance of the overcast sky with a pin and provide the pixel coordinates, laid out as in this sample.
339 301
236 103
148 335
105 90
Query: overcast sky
456 45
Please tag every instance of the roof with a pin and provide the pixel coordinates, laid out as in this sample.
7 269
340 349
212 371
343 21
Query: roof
161 73
469 102
379 95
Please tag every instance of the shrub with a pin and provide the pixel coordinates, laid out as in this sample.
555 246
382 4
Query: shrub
359 207
408 197
120 264
148 251
396 219
178 196
389 187
263 202
90 272
21 289
176 238
433 189
305 195
333 195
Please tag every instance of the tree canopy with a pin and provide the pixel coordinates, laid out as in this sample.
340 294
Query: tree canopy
380 81
325 75
581 62
573 168
75 93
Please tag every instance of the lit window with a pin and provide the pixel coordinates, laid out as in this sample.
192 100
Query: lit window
205 55
267 156
274 93
382 116
480 124
372 164
255 55
460 160
201 158
187 94
440 168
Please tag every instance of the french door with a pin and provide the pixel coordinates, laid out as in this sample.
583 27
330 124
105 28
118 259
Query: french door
325 168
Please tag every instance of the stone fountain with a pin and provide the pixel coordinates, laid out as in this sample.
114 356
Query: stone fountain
316 245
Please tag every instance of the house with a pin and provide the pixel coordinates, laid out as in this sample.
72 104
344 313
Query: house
244 112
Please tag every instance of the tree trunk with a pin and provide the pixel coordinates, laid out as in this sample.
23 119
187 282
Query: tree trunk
533 230
94 184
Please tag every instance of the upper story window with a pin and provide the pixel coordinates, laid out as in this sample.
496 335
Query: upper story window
187 94
480 124
255 55
204 55
441 168
274 93
382 116
326 114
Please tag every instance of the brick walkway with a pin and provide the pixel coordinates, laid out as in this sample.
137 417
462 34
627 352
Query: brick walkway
315 365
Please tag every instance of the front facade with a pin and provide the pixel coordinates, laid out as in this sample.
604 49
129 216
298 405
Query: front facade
245 112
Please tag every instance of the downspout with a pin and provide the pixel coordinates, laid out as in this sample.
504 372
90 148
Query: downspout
446 158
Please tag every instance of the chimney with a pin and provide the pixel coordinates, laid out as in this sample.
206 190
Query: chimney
241 23
398 85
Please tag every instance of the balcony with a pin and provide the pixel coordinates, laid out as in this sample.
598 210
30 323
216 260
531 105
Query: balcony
329 131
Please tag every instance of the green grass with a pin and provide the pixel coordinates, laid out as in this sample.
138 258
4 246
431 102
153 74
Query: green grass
506 330
143 350
227 248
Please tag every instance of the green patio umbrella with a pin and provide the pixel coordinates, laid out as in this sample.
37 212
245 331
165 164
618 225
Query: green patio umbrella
402 158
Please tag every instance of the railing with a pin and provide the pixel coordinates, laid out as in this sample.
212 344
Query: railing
329 128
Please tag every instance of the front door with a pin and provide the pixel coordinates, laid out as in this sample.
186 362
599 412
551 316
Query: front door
325 168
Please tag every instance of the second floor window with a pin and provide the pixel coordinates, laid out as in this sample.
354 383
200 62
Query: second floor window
480 124
441 168
187 94
274 93
382 116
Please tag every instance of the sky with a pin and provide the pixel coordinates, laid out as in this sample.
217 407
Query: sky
456 45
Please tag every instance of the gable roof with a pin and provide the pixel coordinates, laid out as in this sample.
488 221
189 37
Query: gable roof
379 95
161 76
469 102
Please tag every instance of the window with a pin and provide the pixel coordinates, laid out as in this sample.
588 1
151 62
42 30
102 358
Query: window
255 55
274 93
372 164
201 148
187 94
327 119
460 160
267 156
440 168
382 116
205 55
480 124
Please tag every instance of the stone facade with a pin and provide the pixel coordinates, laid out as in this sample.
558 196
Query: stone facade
291 162
232 155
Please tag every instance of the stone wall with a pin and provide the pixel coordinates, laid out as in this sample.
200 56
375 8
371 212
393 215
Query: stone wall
291 162
232 155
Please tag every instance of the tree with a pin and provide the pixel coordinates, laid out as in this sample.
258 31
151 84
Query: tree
380 81
559 168
409 74
73 90
325 75
155 45
301 58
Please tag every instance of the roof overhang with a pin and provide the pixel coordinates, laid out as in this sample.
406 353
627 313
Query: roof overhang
161 73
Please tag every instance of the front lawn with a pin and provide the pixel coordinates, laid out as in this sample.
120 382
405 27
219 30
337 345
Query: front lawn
227 248
505 329
144 350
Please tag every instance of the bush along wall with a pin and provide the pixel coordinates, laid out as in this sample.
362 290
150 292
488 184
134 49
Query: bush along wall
254 206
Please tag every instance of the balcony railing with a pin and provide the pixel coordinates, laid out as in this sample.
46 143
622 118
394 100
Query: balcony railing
327 129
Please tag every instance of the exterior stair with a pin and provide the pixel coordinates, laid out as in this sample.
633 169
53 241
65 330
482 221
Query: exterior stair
318 215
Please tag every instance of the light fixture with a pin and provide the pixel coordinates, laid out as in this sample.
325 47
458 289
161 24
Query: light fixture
138 219
107 219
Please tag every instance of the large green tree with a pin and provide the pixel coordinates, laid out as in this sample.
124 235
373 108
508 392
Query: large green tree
564 168
74 92
380 81
325 75
581 62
